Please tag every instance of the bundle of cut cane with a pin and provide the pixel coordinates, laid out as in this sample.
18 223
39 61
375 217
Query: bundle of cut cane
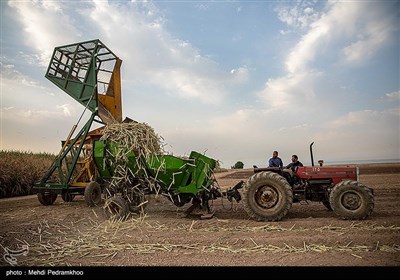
135 137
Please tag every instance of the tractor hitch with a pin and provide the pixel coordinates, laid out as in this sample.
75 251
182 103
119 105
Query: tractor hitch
234 193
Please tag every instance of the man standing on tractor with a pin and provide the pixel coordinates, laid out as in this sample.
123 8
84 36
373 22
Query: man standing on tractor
275 161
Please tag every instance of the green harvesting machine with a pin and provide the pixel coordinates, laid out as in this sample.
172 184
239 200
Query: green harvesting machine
181 180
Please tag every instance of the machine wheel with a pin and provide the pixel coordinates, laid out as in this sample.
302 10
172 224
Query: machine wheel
267 196
67 197
137 202
327 205
116 207
351 200
47 198
93 194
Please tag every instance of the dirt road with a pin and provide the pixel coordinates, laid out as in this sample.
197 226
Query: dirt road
310 235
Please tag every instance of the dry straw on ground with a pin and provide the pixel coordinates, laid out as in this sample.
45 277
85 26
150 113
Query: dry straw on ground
101 242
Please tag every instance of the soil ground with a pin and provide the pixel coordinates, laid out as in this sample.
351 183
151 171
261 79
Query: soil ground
71 233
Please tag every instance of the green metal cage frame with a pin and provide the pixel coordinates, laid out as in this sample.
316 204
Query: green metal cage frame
84 71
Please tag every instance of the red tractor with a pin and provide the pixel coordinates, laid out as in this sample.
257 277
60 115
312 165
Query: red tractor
269 194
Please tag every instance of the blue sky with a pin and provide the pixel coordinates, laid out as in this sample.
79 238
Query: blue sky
232 79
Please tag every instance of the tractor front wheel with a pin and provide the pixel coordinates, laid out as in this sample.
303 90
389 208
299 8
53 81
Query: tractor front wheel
267 196
47 198
351 200
93 194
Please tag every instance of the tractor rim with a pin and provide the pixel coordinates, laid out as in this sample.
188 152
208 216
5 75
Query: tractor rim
266 197
351 200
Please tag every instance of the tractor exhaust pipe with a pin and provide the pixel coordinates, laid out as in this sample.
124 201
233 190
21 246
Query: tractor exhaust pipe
311 152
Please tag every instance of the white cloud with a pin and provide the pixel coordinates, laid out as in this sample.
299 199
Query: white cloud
352 119
376 26
135 32
29 100
305 51
298 16
45 25
289 91
202 7
361 27
151 54
348 134
355 29
238 122
10 74
66 109
240 74
395 95
30 116
328 27
188 85
232 137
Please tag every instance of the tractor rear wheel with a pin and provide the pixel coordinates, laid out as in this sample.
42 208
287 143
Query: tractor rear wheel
117 208
47 198
351 200
93 194
267 196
